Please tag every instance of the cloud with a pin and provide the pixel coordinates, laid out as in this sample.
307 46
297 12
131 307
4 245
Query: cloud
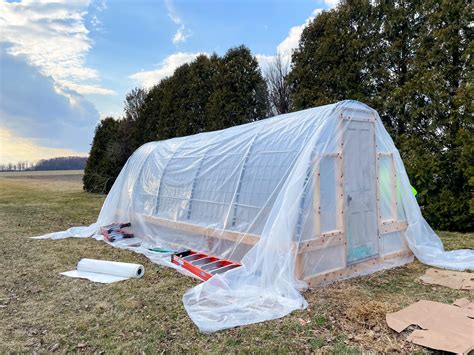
96 23
264 61
14 149
331 3
32 108
172 12
291 42
52 36
182 34
101 5
166 68
85 89
286 47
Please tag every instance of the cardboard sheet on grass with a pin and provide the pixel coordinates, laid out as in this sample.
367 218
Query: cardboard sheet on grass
453 279
443 326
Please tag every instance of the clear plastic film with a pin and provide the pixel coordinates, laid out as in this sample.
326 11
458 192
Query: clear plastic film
305 197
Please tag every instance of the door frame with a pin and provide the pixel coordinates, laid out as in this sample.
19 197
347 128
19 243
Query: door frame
360 115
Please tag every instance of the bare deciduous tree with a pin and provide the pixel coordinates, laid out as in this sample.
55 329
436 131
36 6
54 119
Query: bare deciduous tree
133 103
278 87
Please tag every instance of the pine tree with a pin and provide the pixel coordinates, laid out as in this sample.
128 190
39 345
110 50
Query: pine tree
415 69
208 93
239 94
443 79
330 63
102 168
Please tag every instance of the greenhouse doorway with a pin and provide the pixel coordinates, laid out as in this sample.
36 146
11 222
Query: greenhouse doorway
360 190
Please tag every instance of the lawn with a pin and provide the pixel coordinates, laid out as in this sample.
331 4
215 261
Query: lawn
41 310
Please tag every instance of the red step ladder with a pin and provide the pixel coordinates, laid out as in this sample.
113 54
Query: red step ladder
202 265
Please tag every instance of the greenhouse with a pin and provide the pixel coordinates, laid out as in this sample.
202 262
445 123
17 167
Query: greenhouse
300 199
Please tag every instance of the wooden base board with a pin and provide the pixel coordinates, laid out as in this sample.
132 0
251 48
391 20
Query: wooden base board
238 237
355 269
326 240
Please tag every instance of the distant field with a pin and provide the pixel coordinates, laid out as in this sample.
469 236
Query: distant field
54 179
42 311
46 173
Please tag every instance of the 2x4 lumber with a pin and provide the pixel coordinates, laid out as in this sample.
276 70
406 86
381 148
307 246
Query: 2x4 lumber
320 243
340 184
355 114
340 222
328 239
332 233
392 226
394 204
238 237
378 195
317 197
299 262
356 268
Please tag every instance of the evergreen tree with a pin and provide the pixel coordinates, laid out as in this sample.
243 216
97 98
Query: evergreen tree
412 62
442 80
207 94
185 98
127 135
331 62
101 168
240 94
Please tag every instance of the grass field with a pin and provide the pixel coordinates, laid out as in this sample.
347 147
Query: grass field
41 310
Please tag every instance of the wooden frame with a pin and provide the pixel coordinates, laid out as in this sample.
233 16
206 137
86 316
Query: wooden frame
355 269
393 185
391 226
245 238
336 238
322 239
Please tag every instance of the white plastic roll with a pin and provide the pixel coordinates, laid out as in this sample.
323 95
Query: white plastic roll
105 271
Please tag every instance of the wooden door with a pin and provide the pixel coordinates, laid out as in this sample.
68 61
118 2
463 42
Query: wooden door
360 191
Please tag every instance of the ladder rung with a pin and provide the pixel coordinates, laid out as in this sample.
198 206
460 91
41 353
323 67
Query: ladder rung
203 261
215 265
224 269
202 265
194 257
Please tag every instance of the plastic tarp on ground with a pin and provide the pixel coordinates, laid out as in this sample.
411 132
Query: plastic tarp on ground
254 179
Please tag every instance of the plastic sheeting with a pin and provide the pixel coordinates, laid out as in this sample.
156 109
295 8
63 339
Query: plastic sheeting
104 271
248 194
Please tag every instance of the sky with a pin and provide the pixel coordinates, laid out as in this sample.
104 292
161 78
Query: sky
67 64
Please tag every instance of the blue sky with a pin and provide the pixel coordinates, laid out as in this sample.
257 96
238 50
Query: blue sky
64 65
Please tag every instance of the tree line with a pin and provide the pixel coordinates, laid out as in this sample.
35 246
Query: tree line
19 166
409 60
208 94
60 163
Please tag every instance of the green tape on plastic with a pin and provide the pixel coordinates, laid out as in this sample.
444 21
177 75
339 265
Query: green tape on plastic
413 190
159 250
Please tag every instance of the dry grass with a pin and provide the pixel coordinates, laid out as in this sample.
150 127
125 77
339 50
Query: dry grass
41 310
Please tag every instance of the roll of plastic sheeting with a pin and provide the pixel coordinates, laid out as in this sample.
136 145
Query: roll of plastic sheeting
105 271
